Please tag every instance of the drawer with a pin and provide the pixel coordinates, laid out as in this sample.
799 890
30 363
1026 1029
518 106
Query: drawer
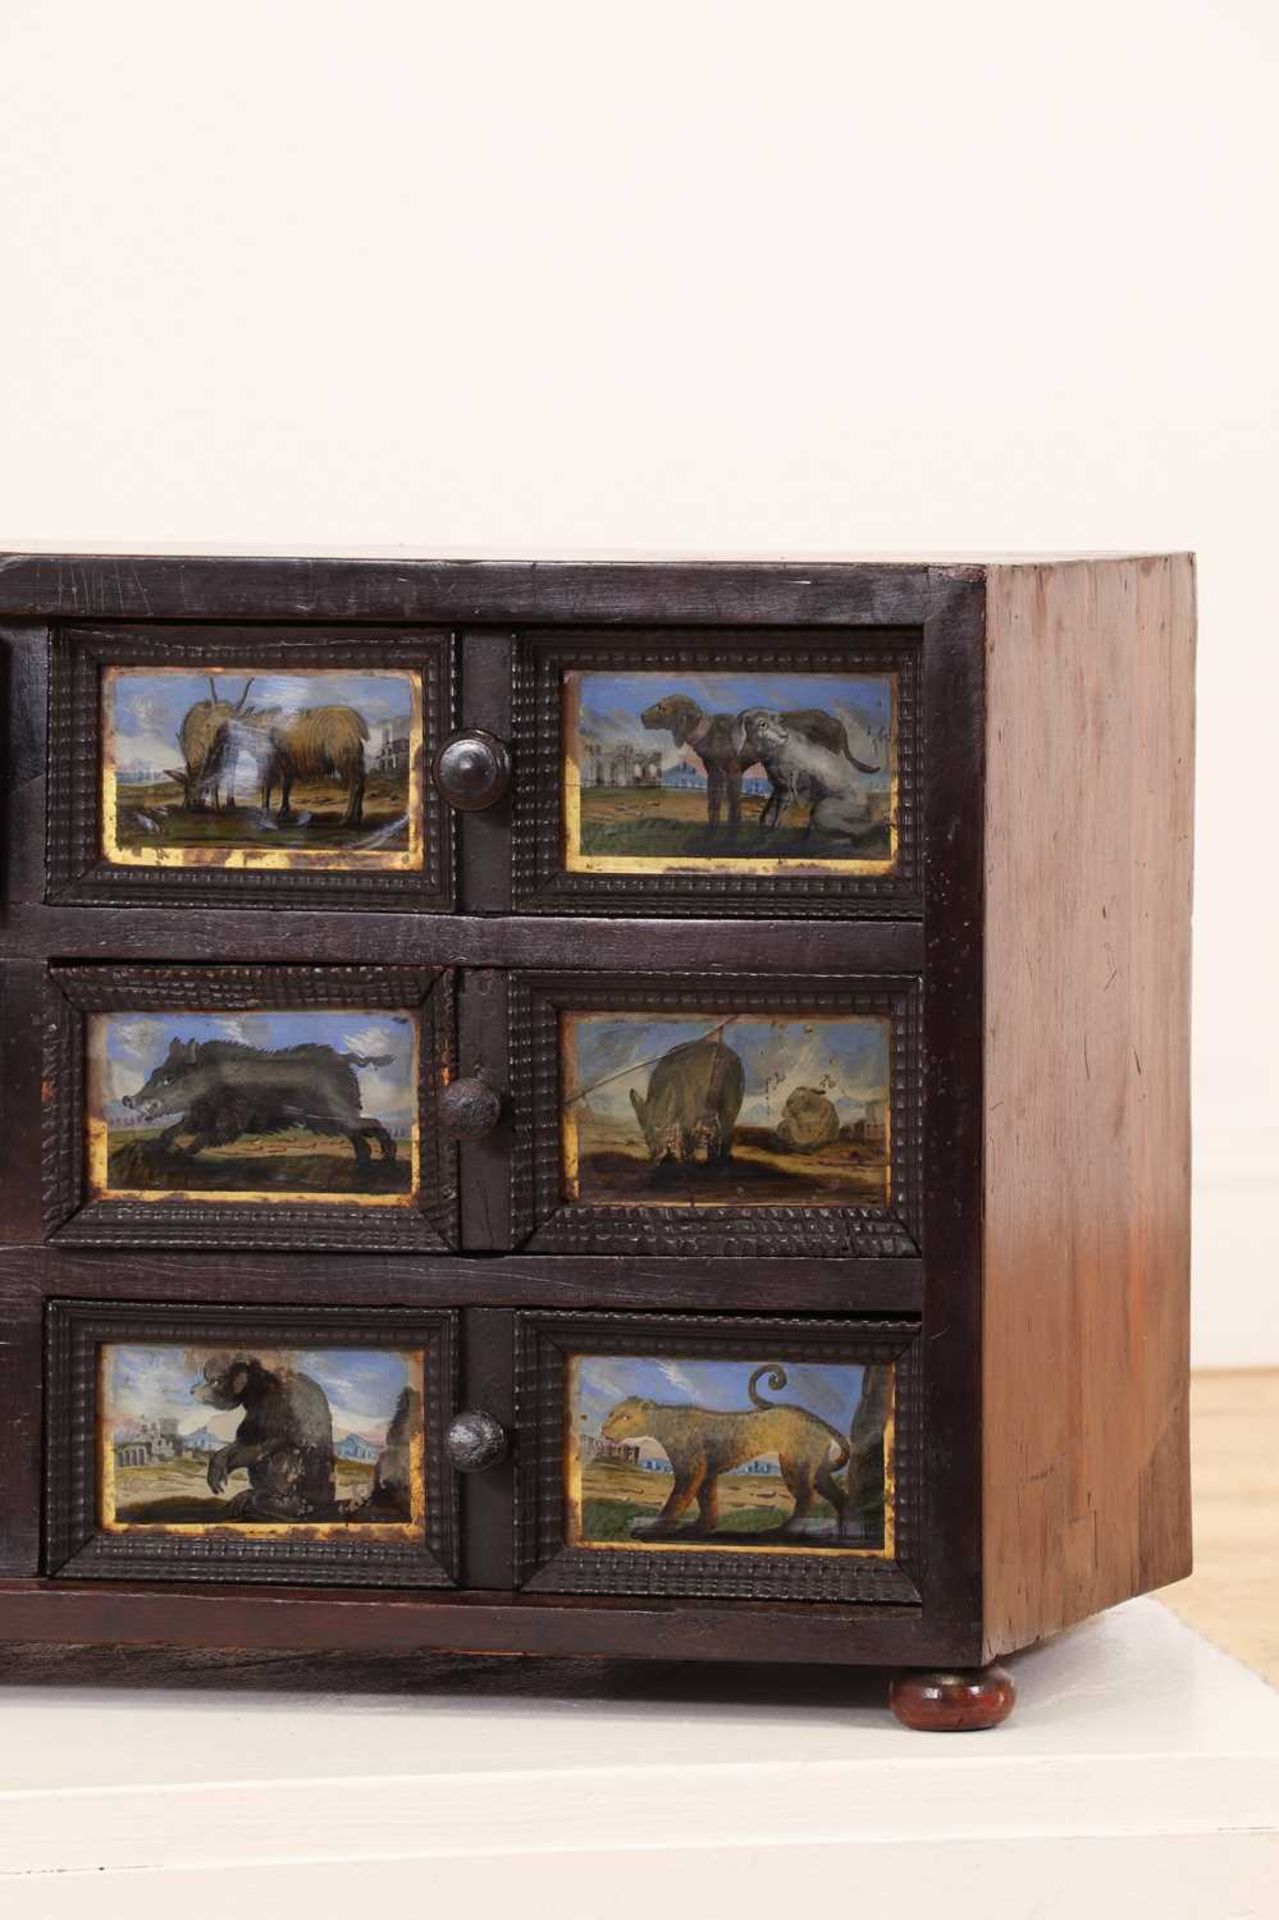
717 1456
249 766
219 1107
728 1456
243 1443
396 1109
737 1114
717 773
672 772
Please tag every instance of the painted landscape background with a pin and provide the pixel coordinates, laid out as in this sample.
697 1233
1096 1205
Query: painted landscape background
143 714
149 1416
642 795
619 1487
126 1152
842 1057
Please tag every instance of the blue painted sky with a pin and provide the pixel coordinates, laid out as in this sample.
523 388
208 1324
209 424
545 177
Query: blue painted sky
831 1392
135 1043
155 1382
845 1056
611 704
147 708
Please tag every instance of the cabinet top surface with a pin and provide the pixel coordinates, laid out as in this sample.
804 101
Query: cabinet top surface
606 589
586 557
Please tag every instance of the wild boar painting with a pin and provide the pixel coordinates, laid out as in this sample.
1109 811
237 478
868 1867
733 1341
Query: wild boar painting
732 1109
315 1440
727 1452
730 772
299 1105
232 768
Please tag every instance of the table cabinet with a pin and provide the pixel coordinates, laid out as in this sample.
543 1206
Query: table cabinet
631 1109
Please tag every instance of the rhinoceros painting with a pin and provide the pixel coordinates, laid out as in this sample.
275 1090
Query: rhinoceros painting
305 1104
694 1097
268 768
725 1109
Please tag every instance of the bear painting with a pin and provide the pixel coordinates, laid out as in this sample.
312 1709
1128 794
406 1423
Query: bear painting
315 1440
726 1109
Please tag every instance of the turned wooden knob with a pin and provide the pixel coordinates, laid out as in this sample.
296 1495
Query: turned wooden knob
468 1109
472 770
965 1700
474 1441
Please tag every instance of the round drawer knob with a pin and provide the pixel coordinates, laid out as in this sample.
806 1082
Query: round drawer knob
472 770
474 1441
468 1109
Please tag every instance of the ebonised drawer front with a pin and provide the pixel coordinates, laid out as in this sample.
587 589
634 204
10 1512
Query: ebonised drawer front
257 766
717 1457
721 773
707 1455
712 773
213 1107
403 1109
738 1115
208 1443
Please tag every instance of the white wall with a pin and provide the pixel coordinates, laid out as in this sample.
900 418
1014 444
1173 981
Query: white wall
713 277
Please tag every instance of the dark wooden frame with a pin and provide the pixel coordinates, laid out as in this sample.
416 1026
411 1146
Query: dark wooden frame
540 883
487 604
546 1564
544 1222
73 1541
79 872
74 1214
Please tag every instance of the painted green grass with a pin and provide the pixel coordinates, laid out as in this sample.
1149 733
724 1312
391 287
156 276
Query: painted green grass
666 823
682 839
615 1519
620 1501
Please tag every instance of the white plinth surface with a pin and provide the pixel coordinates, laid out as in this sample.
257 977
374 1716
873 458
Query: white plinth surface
1139 1774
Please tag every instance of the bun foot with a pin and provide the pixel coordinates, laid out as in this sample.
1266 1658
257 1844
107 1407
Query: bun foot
963 1701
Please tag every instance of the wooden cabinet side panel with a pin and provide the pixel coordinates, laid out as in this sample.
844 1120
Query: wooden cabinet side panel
1086 1496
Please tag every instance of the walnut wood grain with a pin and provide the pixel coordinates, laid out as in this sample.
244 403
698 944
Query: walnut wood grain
1089 748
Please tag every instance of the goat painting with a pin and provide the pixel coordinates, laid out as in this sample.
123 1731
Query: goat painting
310 743
754 772
275 768
725 1108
